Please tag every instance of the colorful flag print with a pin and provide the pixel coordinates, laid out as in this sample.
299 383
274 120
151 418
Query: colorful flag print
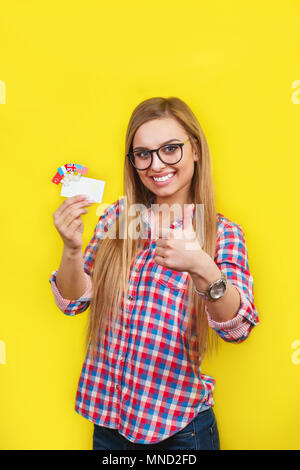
71 167
83 170
68 168
61 170
57 178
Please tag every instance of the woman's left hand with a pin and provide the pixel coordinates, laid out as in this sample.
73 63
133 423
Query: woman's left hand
180 249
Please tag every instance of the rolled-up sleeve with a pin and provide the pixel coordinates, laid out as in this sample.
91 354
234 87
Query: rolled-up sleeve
67 306
232 258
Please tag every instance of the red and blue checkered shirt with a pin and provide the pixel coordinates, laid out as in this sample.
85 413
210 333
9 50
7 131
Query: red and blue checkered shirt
142 382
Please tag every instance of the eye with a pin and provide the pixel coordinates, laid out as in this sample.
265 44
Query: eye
170 148
141 154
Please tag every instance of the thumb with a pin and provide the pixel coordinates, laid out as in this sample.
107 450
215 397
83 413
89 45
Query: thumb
188 216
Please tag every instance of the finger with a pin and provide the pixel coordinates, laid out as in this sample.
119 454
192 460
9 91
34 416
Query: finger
60 214
188 216
159 260
74 225
70 202
161 242
159 252
166 233
71 217
63 212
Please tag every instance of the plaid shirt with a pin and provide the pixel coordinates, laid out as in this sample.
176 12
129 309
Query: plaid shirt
143 383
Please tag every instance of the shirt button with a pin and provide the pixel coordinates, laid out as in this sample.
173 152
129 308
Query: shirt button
117 387
126 327
130 297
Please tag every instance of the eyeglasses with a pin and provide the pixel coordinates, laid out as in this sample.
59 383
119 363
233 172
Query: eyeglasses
169 154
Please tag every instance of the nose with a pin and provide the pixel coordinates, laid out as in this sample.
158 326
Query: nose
157 164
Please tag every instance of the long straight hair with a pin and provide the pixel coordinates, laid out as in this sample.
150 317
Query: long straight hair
114 256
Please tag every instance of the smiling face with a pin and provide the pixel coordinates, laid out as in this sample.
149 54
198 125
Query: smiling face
154 134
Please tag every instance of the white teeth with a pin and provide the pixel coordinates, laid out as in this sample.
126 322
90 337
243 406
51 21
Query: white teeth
164 178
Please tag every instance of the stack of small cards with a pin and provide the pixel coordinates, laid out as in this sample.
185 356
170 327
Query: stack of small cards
73 183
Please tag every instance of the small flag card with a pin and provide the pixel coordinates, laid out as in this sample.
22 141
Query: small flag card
74 183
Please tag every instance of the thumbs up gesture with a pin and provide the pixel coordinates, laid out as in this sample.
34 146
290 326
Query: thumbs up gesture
180 249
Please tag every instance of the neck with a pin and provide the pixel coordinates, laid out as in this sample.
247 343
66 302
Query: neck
170 201
178 204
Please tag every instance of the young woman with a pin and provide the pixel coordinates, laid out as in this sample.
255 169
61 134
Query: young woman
158 301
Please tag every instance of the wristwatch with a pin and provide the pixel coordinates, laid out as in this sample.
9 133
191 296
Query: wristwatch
215 291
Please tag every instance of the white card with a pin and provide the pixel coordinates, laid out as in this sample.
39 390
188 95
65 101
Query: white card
91 187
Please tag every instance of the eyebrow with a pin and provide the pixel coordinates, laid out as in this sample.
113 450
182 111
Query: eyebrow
164 143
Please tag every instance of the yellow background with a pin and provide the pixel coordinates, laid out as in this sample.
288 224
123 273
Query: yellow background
74 71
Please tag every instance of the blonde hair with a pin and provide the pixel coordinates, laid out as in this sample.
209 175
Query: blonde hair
114 257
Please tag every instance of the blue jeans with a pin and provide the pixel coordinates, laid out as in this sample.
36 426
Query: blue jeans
200 434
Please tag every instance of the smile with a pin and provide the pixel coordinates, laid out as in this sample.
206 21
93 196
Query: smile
163 179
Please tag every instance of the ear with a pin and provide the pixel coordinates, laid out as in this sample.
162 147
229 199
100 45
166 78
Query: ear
195 146
195 154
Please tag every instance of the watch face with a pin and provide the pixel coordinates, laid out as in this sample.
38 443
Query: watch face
218 290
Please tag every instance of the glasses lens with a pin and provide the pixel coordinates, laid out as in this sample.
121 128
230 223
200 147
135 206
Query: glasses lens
170 153
141 159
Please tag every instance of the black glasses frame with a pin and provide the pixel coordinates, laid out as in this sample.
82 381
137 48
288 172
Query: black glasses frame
131 154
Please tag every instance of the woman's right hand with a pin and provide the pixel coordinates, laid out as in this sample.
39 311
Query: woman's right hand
68 222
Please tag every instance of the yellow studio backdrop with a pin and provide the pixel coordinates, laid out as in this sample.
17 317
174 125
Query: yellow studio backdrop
71 73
